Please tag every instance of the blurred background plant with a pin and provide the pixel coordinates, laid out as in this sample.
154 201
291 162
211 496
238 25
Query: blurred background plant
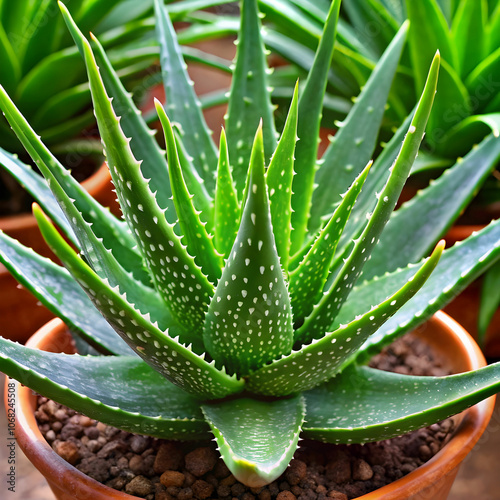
44 73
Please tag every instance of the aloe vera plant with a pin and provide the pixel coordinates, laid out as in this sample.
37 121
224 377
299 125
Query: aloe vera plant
233 295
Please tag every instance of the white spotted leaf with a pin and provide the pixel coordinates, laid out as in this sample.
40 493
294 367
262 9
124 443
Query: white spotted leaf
249 321
250 97
364 404
177 362
331 302
279 179
177 277
120 391
256 439
310 113
320 360
308 279
195 237
227 208
183 105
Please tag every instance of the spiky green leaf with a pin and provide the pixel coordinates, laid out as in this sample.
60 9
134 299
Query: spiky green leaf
459 266
279 178
227 208
309 121
250 99
331 302
353 144
121 391
179 363
161 247
320 360
195 236
429 220
308 279
249 321
261 453
363 404
183 106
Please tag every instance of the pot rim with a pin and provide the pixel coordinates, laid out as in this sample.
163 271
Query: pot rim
445 462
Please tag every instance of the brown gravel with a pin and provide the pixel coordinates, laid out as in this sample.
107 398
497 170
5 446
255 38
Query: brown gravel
163 470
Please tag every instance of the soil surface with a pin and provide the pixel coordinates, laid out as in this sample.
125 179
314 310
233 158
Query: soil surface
165 470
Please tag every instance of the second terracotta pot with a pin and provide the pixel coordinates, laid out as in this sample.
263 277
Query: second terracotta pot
20 312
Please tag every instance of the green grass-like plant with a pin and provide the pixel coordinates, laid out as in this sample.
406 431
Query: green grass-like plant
245 288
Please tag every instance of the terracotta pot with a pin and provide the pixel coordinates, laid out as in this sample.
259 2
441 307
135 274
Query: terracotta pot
465 307
433 480
20 312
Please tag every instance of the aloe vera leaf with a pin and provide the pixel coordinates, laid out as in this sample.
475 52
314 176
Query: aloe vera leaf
15 17
177 362
492 31
183 106
11 71
279 178
54 287
62 106
261 454
428 33
363 404
40 39
375 182
468 34
308 279
37 187
374 25
331 302
54 73
482 82
203 201
156 237
143 143
490 300
320 360
249 321
458 267
470 131
452 106
122 391
104 223
250 98
309 120
227 208
178 10
198 242
352 147
415 227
